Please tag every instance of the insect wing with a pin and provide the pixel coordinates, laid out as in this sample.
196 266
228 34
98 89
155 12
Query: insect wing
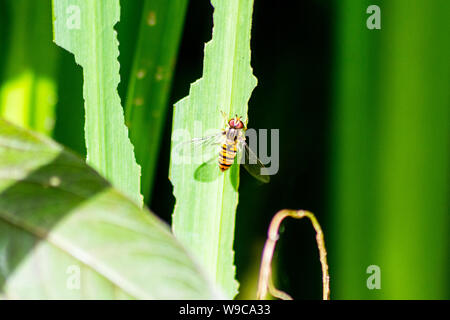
253 165
199 148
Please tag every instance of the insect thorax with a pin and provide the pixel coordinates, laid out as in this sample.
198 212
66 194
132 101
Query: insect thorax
233 135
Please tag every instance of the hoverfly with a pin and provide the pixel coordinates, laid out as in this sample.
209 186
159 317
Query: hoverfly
227 144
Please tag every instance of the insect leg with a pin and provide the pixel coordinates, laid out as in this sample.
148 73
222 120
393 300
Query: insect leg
225 118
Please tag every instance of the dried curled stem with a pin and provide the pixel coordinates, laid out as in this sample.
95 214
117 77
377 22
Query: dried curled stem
265 281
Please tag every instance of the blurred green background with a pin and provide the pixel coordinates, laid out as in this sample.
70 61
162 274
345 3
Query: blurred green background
364 132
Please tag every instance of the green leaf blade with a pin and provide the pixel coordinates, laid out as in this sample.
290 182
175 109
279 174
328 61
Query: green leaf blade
28 88
86 28
60 219
149 86
204 214
390 152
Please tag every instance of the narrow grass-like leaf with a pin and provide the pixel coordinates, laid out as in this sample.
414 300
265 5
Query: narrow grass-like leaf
204 215
390 157
28 88
86 28
151 76
66 233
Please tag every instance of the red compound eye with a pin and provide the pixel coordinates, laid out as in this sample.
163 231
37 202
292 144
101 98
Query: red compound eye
239 125
236 124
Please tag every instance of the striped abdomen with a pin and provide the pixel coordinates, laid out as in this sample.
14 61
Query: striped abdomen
226 156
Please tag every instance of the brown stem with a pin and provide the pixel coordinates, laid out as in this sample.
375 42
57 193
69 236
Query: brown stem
264 282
